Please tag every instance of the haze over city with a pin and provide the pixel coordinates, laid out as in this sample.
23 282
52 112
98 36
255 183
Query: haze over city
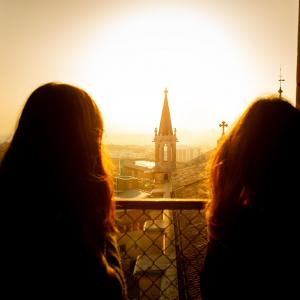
214 57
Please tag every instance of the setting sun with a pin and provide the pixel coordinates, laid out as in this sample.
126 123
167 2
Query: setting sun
185 51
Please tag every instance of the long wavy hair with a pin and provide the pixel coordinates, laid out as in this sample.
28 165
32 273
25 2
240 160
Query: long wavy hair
255 167
55 168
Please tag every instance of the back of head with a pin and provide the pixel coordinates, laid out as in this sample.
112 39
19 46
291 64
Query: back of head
57 193
58 125
256 167
54 169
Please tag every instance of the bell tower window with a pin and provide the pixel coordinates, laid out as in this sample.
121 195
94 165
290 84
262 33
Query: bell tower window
165 152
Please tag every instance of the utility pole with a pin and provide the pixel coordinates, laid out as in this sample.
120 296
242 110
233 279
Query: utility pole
298 62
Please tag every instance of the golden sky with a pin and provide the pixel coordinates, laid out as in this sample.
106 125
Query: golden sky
214 56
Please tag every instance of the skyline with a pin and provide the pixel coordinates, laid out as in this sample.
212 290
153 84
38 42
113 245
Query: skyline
214 57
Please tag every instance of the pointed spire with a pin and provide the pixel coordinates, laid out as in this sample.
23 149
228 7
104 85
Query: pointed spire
165 127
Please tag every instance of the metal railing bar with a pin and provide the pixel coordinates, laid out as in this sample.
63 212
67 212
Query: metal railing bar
161 203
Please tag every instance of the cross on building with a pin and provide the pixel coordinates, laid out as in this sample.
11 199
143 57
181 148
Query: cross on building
223 124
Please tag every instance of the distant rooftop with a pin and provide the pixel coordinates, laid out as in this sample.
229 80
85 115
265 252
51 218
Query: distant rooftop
145 164
134 194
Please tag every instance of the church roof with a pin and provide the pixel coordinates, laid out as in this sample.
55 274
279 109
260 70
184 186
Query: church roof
165 127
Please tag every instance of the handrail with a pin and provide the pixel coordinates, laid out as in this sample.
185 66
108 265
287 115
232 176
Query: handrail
160 203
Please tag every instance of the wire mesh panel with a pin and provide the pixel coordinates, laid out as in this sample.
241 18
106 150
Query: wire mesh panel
162 243
191 241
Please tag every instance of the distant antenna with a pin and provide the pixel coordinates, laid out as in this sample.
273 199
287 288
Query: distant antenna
280 81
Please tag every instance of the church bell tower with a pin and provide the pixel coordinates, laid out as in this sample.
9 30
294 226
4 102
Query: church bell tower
165 143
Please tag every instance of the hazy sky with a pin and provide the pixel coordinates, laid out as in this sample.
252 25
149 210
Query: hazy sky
214 56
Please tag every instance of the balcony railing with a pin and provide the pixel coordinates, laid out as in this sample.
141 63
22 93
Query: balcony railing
163 243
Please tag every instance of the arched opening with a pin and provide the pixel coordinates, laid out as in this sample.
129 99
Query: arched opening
165 152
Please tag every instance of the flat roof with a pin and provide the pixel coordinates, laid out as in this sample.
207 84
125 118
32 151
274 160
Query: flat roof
145 163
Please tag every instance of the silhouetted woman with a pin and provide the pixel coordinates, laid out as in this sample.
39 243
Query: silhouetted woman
252 216
57 201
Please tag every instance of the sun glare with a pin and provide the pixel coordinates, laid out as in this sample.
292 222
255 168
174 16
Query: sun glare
131 63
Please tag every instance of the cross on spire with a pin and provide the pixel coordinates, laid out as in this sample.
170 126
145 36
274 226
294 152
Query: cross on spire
166 91
223 124
280 81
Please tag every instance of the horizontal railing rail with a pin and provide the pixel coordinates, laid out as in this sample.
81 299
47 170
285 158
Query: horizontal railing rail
161 203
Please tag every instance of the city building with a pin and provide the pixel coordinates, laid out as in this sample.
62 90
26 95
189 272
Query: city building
186 153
